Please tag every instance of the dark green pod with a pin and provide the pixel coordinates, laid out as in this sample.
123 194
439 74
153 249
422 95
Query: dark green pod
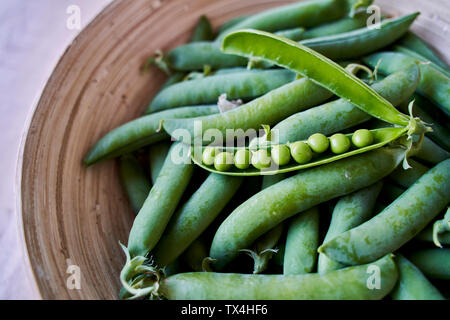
401 221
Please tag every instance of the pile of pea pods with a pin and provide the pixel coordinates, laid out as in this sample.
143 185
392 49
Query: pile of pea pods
296 153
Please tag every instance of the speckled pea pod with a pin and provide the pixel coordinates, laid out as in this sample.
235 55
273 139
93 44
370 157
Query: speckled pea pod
302 241
244 85
397 224
139 133
195 216
434 263
340 114
350 211
156 156
406 178
349 283
412 284
269 109
413 42
161 202
134 179
434 85
354 44
298 193
300 14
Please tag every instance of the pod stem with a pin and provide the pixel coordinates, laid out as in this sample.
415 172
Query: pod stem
261 259
158 59
139 278
441 226
206 264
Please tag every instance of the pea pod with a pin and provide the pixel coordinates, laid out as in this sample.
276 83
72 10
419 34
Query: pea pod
302 241
265 246
294 34
338 115
347 284
135 181
412 54
245 85
298 58
431 153
397 224
337 27
157 155
414 43
300 14
138 133
356 43
231 22
298 193
350 211
406 178
434 85
269 109
195 254
161 202
381 137
434 263
203 30
195 216
412 284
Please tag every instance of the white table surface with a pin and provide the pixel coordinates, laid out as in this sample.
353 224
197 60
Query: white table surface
33 35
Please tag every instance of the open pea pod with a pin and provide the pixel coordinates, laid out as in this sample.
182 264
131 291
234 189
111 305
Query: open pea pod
381 137
309 63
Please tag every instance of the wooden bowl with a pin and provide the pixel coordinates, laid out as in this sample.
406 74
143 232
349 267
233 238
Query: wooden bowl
73 216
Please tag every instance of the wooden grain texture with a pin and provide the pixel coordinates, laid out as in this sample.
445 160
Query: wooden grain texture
73 215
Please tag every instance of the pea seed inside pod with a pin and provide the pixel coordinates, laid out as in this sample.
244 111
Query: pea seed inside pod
362 138
281 154
318 142
242 159
339 143
223 161
208 155
301 152
261 159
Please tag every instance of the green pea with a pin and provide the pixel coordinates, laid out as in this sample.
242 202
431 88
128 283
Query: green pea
318 142
362 138
208 155
339 143
261 159
223 161
301 152
281 154
242 159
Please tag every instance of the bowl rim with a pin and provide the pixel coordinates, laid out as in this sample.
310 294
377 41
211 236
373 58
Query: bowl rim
30 272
